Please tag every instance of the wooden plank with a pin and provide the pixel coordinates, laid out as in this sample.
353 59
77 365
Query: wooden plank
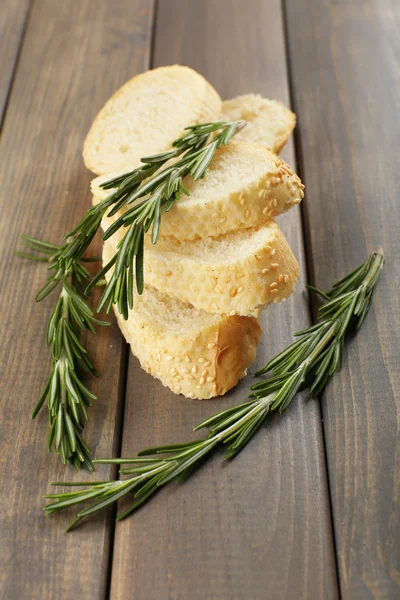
259 527
344 59
74 56
13 16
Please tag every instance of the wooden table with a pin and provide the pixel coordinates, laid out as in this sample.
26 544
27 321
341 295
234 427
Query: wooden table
310 509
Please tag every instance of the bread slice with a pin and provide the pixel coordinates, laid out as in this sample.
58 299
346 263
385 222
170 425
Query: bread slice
245 185
146 115
269 122
236 274
192 352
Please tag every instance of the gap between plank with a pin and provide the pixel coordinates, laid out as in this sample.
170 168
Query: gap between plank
310 274
125 357
16 63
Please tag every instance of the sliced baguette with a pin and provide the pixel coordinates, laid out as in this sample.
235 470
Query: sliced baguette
146 115
269 122
192 352
245 185
236 274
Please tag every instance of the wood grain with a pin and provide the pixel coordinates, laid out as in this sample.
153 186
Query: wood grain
75 55
344 59
13 16
258 527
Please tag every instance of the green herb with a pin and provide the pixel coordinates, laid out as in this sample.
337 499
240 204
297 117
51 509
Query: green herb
157 193
308 362
67 397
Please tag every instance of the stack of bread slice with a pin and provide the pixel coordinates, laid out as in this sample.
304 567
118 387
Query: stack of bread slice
220 258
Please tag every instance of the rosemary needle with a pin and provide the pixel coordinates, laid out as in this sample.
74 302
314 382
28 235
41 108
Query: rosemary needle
308 362
67 397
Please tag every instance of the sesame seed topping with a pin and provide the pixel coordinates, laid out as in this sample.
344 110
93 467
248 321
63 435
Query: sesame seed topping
189 376
240 275
247 214
202 360
210 379
233 292
274 266
187 358
275 291
214 215
172 371
286 278
264 271
194 369
258 257
274 202
240 289
211 345
265 210
190 395
168 273
301 194
216 289
218 230
177 387
280 278
204 373
222 220
232 313
202 380
207 363
242 201
170 358
184 370
261 194
273 285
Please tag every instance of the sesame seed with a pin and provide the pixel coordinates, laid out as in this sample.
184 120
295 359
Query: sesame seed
214 215
286 278
190 395
187 358
194 369
177 387
218 230
274 266
274 202
202 380
177 359
210 379
158 373
158 357
240 289
232 313
184 370
172 371
273 285
242 201
214 306
178 377
168 273
189 376
261 194
170 358
280 278
275 291
247 214
273 251
211 346
233 292
216 289
222 220
204 373
258 257
198 387
264 271
240 275
301 194
265 210
207 363
202 360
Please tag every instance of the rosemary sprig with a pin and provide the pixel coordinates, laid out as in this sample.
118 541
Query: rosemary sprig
157 193
308 362
67 397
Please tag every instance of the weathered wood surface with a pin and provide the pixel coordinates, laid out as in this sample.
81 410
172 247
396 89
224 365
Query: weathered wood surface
260 526
59 85
344 59
13 18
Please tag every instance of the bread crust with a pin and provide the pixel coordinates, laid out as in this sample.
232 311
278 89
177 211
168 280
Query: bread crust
203 365
251 205
119 137
267 273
